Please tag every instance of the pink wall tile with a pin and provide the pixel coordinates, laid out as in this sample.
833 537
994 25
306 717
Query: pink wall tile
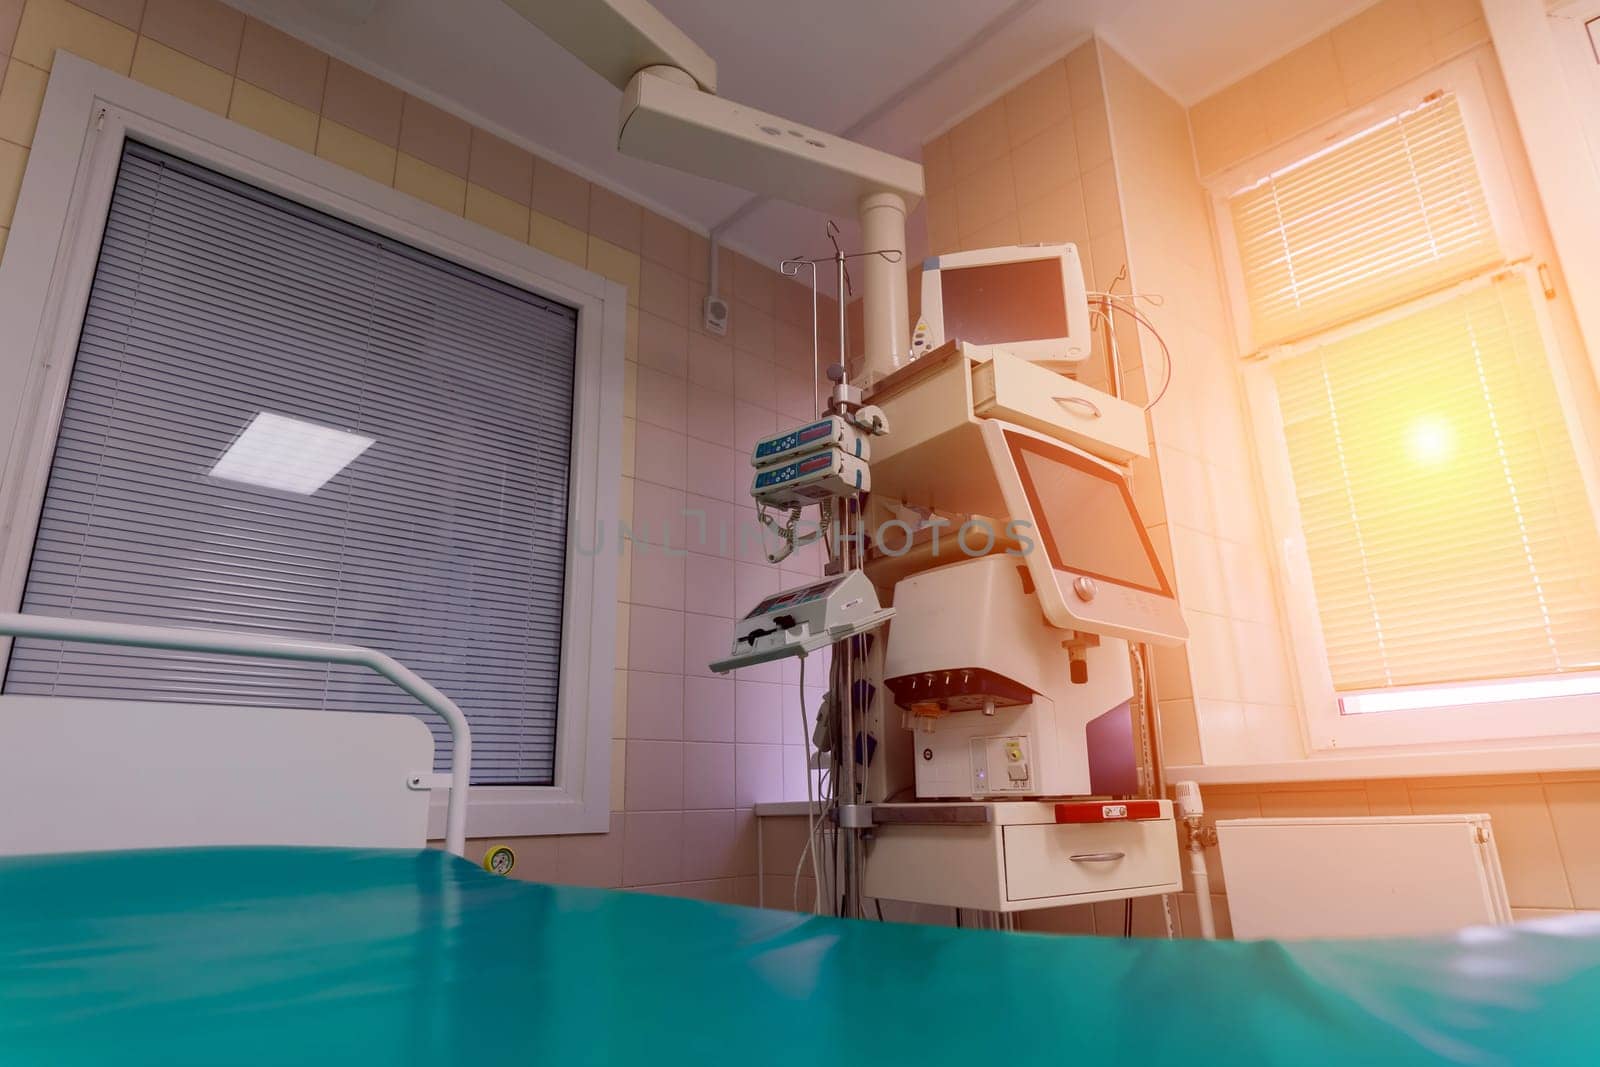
663 399
204 29
710 363
708 585
711 526
759 707
710 844
755 379
658 517
707 777
754 581
356 99
655 775
708 708
706 640
655 640
435 136
591 859
657 579
10 19
652 848
282 65
501 167
665 242
655 706
711 414
663 292
751 422
663 345
123 12
758 774
711 469
660 456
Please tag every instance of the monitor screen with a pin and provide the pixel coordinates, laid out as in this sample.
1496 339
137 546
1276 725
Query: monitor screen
1085 516
1004 303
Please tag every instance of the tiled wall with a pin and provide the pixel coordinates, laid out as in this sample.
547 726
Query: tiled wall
1227 697
1360 59
1034 166
691 752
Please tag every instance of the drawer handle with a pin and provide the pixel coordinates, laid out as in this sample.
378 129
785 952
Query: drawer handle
1097 857
1084 402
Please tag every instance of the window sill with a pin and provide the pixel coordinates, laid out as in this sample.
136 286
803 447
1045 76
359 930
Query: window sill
1506 759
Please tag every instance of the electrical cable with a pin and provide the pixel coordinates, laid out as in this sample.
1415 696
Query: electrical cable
1127 917
811 807
1126 304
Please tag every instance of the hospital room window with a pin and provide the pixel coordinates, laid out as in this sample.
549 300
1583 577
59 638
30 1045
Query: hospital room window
1429 473
284 423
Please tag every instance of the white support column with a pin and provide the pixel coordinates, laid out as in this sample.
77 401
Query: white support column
885 320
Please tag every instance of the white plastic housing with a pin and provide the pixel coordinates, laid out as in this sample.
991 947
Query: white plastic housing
1071 343
702 134
618 38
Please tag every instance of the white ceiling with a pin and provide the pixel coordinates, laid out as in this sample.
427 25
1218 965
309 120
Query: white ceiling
886 72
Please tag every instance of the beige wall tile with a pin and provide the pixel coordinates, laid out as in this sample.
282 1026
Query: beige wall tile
490 209
1457 41
985 195
1381 47
282 65
942 234
434 136
13 161
1180 732
559 239
4 233
664 292
560 194
1003 231
1388 797
938 164
423 180
1575 811
274 116
127 13
355 151
21 97
1285 803
1046 162
358 101
1092 132
1229 126
1082 65
1058 216
50 24
618 264
1301 90
976 140
201 29
1037 104
1102 203
182 76
1524 835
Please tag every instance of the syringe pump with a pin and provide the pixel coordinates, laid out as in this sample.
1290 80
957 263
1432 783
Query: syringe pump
802 620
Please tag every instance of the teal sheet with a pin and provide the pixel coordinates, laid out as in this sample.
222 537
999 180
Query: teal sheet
301 956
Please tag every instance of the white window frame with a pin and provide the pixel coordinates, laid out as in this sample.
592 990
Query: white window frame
1327 729
45 277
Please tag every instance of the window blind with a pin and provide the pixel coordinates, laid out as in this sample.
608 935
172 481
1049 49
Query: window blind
1446 522
1386 215
442 544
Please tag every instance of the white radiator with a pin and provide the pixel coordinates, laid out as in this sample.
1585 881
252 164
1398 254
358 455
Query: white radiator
1391 876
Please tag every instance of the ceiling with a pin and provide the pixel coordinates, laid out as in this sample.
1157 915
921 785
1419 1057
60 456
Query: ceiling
879 71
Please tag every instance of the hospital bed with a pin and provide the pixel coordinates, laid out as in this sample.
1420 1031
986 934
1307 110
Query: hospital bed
310 955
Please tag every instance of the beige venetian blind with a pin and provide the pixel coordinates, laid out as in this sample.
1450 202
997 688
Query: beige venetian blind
1445 518
1388 214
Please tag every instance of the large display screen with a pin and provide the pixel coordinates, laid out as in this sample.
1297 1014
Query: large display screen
1085 516
1003 303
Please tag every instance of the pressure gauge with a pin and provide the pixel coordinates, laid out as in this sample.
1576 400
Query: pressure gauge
499 859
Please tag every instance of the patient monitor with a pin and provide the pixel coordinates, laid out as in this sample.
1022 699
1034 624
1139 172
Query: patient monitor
1028 300
1091 558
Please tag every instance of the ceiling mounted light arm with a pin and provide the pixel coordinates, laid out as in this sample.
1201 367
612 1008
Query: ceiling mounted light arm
671 115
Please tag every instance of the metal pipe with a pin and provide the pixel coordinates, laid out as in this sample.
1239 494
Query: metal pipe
884 299
228 642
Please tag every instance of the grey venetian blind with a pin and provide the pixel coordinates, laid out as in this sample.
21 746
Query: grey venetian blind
442 544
